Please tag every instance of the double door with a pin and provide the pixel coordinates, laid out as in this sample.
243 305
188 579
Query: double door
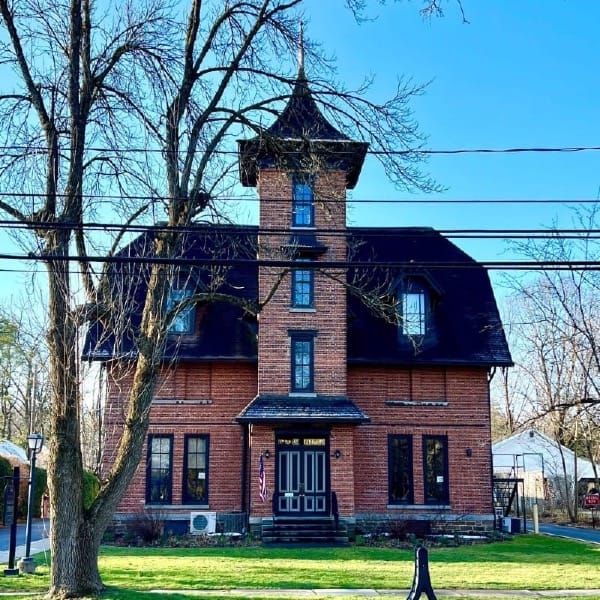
302 476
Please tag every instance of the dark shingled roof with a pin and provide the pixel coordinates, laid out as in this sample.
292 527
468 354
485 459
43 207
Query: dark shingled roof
467 327
301 131
289 409
223 330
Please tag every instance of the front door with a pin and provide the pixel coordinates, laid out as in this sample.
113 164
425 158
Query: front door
302 476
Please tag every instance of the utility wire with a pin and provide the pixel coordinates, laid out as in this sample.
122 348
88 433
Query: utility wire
512 265
245 230
286 199
41 150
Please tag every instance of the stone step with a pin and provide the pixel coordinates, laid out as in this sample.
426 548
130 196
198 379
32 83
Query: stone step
304 531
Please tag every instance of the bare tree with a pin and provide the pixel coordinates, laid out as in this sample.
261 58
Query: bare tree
91 84
556 342
23 374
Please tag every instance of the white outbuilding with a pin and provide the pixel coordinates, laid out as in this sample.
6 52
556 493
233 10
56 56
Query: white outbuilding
546 467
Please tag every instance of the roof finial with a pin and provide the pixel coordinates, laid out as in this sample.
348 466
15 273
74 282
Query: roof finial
301 49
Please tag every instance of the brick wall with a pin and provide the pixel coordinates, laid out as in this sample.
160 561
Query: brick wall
417 402
423 401
208 397
329 316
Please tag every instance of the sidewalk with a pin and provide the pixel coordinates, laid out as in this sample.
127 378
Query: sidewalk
35 547
370 593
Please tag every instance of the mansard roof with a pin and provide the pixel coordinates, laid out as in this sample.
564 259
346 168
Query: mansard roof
468 330
300 133
466 324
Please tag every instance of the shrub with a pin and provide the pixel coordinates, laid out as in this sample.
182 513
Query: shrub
91 485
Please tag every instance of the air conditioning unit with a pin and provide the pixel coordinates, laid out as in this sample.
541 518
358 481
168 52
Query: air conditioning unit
511 525
203 522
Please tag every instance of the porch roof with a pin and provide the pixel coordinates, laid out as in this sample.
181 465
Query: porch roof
291 409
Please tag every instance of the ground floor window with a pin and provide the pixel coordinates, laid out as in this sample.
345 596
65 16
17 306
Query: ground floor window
159 474
400 469
195 470
435 457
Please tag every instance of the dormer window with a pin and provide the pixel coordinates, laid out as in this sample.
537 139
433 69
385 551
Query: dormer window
303 197
413 303
182 322
415 297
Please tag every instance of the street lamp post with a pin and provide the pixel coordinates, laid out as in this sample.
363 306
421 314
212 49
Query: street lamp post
35 442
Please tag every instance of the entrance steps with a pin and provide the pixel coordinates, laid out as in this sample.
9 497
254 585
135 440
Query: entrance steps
309 531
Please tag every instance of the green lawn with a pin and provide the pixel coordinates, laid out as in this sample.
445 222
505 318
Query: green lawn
526 562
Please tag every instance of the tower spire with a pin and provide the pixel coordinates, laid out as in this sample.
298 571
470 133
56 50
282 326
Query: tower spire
301 49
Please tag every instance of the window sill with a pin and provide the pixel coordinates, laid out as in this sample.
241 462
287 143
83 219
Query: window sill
436 403
433 507
177 506
297 309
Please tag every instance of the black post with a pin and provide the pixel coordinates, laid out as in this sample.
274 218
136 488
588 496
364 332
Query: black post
10 518
421 581
30 506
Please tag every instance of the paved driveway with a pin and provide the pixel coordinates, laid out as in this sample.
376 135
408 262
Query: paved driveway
583 534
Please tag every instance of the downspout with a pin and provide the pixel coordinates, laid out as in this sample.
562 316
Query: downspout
244 467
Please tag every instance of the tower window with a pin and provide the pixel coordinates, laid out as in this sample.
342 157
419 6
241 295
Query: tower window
303 212
302 288
302 362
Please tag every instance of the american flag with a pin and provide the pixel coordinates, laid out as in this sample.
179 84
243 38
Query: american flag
262 483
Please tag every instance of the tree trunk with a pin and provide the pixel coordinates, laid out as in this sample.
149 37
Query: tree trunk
73 544
75 563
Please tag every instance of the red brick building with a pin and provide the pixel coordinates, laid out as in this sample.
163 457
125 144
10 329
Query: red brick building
361 389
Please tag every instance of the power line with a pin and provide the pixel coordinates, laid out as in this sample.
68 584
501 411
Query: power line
409 151
286 199
374 232
514 265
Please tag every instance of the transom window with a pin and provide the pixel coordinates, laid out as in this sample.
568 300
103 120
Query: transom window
400 469
435 456
195 470
302 288
302 359
159 469
303 213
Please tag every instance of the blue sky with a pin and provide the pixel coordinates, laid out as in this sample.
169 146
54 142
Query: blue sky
520 74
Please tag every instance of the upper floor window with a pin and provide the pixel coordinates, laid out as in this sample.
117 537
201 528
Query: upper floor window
302 288
302 361
159 469
195 470
435 475
413 312
182 321
414 303
303 210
